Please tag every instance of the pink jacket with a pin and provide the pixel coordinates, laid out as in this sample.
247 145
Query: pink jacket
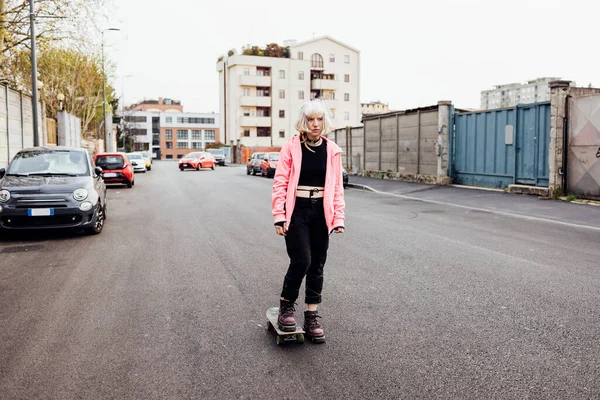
286 182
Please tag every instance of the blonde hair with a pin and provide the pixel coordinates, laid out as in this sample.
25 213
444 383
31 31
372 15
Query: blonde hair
314 108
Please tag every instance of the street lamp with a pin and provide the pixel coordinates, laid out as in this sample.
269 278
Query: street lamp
104 81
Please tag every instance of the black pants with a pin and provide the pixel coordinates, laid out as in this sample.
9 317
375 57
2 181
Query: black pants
307 241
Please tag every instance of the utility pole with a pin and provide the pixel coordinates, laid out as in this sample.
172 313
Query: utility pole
104 84
34 86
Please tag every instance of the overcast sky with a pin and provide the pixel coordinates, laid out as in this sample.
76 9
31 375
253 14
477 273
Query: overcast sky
413 53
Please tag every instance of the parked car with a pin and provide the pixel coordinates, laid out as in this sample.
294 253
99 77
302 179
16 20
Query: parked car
269 164
345 177
52 187
197 160
138 161
219 155
148 157
116 168
253 164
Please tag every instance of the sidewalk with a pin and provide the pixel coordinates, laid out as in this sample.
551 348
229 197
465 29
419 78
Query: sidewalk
496 201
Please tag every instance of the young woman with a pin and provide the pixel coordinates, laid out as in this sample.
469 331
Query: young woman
308 205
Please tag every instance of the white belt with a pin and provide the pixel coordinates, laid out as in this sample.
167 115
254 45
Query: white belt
308 192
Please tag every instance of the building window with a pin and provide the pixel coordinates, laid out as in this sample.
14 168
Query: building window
182 145
246 92
263 132
169 119
347 59
195 120
301 94
281 74
169 156
135 118
169 145
209 135
196 135
169 134
301 75
347 78
246 112
346 96
281 93
196 145
346 116
300 55
281 133
281 113
316 61
247 133
332 58
182 134
246 71
179 155
332 96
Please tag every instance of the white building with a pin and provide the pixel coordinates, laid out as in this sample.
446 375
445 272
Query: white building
374 107
509 95
260 97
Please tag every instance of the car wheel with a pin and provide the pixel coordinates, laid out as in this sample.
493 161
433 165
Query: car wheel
213 167
181 169
129 184
198 167
248 171
99 222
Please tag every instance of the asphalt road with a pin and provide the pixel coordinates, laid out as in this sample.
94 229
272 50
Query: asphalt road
421 300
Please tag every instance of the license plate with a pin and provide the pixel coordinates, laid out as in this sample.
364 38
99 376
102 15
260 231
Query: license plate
109 175
39 212
184 165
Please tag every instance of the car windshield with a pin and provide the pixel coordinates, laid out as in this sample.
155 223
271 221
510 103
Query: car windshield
49 162
135 156
273 157
110 162
192 155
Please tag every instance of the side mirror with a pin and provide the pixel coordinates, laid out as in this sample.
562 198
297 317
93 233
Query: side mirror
2 172
98 171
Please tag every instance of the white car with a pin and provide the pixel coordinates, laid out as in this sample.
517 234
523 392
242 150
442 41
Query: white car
138 161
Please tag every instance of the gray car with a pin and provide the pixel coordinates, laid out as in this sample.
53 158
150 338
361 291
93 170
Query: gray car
52 187
219 155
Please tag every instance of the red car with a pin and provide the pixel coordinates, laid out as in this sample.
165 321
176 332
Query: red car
115 168
197 160
269 165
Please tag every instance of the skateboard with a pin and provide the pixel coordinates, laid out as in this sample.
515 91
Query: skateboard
296 336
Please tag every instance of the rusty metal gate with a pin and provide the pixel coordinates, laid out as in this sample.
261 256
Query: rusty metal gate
583 165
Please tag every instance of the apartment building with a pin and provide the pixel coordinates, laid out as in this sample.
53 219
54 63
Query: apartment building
374 107
509 95
161 126
260 97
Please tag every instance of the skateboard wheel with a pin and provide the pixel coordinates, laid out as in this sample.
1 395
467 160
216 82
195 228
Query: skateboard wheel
300 338
279 341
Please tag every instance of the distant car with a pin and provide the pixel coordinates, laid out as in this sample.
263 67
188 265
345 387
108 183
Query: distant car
116 168
345 177
253 164
52 187
148 157
138 161
269 164
219 155
197 160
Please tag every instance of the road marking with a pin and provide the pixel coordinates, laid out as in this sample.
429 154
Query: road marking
506 214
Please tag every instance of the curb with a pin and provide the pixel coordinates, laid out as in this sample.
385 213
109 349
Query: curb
362 187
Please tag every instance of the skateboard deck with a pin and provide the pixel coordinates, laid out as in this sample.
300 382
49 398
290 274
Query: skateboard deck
297 336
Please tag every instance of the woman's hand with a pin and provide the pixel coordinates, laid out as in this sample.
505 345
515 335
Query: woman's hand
281 230
339 230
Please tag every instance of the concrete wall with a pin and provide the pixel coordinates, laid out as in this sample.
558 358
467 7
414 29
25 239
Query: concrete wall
69 129
16 124
410 145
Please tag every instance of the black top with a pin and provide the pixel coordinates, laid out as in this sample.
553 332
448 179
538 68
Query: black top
314 165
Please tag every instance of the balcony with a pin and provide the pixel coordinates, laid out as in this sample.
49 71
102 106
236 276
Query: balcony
324 84
255 80
255 121
331 103
255 101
